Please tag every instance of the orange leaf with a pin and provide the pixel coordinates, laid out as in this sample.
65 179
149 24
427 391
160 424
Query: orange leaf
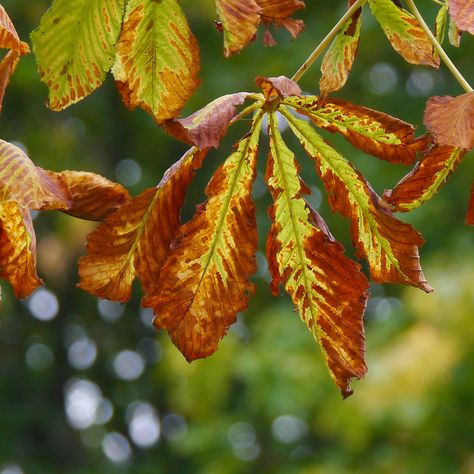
31 186
278 12
328 288
373 132
470 211
204 283
17 249
206 127
462 12
7 68
425 180
280 86
93 197
452 120
135 240
8 36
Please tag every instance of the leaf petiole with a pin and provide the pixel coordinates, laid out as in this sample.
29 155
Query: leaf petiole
439 49
327 40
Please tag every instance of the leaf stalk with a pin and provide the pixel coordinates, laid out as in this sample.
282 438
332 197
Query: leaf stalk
439 49
327 40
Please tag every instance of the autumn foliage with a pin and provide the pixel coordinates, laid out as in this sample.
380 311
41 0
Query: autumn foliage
195 275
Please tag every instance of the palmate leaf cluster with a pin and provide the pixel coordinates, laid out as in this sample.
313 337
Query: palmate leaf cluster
195 275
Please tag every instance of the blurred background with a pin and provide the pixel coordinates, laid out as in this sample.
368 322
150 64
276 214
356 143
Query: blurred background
88 386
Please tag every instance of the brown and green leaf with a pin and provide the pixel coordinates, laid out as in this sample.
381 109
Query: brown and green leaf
389 245
328 289
157 58
371 131
135 240
404 33
204 283
425 180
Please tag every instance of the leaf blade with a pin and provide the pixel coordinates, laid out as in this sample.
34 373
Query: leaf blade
462 12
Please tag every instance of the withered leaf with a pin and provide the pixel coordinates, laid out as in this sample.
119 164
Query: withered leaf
204 283
328 288
157 58
373 132
75 47
339 58
404 33
462 12
425 180
206 127
29 185
9 38
135 240
452 120
280 86
17 248
241 18
389 245
93 197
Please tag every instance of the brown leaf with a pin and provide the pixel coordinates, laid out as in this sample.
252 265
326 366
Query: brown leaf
425 180
135 240
17 249
93 197
452 120
240 20
204 283
206 127
280 86
373 132
462 12
278 12
470 210
7 68
9 37
31 186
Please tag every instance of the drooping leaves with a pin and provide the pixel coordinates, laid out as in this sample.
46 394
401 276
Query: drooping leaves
339 58
328 289
462 12
441 23
206 127
29 185
241 18
371 131
17 248
389 245
426 179
157 58
454 34
135 240
404 33
452 120
204 283
470 210
75 47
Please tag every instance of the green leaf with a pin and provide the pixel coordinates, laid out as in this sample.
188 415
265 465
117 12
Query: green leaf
75 47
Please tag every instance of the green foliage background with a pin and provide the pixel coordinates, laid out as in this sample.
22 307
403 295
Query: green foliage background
413 412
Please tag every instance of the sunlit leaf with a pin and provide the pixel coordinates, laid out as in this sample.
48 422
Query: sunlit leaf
462 12
371 131
17 249
9 38
206 127
135 240
452 120
426 179
75 47
278 87
204 283
470 211
339 58
240 20
389 245
404 33
157 58
328 288
93 197
29 185
7 68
